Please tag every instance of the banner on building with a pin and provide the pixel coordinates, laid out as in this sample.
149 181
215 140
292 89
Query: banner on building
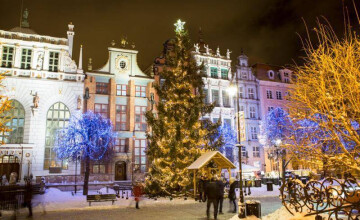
241 115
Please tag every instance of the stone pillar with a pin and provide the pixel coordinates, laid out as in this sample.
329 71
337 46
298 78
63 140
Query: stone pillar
112 100
17 56
131 105
46 58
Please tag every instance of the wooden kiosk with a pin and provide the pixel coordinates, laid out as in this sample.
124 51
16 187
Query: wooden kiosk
214 157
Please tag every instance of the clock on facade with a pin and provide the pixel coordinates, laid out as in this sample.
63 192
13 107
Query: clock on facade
122 63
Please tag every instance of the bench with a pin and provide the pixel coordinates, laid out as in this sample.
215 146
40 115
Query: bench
101 198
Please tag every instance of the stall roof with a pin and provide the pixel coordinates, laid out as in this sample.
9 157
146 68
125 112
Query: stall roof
216 156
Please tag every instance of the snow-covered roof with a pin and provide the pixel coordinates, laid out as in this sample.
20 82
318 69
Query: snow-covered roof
216 156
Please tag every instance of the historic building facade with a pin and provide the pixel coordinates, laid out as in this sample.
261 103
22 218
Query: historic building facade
123 93
249 99
274 85
46 88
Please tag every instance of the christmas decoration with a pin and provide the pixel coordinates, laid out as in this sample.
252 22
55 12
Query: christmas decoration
178 135
5 109
89 138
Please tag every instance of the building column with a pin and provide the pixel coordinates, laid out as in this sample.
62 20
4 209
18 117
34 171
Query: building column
221 103
46 59
112 100
17 56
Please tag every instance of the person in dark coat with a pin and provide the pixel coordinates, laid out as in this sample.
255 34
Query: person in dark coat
232 195
28 197
212 197
221 187
137 191
201 188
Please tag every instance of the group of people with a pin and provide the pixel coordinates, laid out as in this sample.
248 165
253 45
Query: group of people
213 191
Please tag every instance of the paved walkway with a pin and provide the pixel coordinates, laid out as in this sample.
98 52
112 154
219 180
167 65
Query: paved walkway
166 211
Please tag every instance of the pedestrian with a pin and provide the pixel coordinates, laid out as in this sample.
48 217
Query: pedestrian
211 191
4 180
201 188
232 195
28 197
137 191
221 187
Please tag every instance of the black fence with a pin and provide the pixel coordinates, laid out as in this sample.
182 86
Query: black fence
11 197
336 198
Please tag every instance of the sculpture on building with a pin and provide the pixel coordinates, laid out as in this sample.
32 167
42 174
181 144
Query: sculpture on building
36 100
69 64
13 178
79 103
25 22
228 52
40 61
218 52
207 49
197 48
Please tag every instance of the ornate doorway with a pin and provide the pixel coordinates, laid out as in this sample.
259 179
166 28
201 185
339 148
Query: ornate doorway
120 171
9 164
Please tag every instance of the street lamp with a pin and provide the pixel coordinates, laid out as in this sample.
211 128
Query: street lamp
232 90
278 153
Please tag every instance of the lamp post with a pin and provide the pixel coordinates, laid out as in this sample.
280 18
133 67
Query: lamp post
234 90
278 153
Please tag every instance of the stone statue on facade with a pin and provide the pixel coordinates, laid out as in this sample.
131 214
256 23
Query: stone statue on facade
36 100
218 52
40 61
207 49
25 22
197 48
13 178
228 52
79 103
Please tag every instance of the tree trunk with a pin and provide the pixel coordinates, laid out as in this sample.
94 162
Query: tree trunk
87 174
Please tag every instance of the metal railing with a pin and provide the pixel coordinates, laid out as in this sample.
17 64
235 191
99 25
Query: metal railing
336 198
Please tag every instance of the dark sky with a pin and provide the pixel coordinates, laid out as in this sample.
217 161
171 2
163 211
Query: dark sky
266 29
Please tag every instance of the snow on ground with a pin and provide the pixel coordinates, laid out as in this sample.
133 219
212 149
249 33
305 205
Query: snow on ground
261 192
55 199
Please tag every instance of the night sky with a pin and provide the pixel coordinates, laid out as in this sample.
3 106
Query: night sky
265 29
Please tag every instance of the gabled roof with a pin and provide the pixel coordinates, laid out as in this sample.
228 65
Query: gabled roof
261 72
216 156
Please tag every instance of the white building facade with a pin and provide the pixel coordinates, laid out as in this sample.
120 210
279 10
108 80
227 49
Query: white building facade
46 88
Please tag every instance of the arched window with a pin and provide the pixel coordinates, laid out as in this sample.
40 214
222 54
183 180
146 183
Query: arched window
16 121
9 159
57 118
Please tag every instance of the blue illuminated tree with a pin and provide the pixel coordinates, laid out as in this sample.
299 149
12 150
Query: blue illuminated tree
88 137
229 139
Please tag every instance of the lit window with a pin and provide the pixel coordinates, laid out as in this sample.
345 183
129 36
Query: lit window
256 151
140 120
270 108
99 168
269 94
243 151
140 91
15 118
53 61
7 57
224 74
215 96
253 133
26 59
121 145
57 118
252 112
102 109
214 72
120 120
121 89
140 155
251 93
278 95
226 99
102 88
205 91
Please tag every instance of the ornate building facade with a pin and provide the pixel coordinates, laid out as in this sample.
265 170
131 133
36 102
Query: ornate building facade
46 89
123 93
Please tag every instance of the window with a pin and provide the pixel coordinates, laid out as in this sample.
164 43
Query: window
99 168
241 93
140 155
16 117
121 145
120 119
243 151
251 93
226 99
205 91
140 120
256 151
252 112
270 108
253 133
215 96
214 72
244 75
269 94
102 88
7 57
227 122
53 61
140 91
271 74
278 95
215 120
9 159
286 80
102 109
224 74
57 118
26 59
121 89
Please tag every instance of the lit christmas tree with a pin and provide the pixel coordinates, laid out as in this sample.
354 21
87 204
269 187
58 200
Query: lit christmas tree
5 109
178 135
88 137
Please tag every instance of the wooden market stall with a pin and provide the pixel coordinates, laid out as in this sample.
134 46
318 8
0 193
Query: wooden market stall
217 159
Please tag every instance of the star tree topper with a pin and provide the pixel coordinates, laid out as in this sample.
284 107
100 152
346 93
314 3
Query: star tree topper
179 26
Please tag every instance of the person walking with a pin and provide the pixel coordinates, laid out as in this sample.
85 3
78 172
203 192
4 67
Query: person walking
232 195
221 187
137 191
201 187
211 191
28 197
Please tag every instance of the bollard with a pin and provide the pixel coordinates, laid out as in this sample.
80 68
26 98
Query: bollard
127 195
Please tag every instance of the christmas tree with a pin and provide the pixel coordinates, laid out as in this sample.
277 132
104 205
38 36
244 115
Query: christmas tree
178 135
